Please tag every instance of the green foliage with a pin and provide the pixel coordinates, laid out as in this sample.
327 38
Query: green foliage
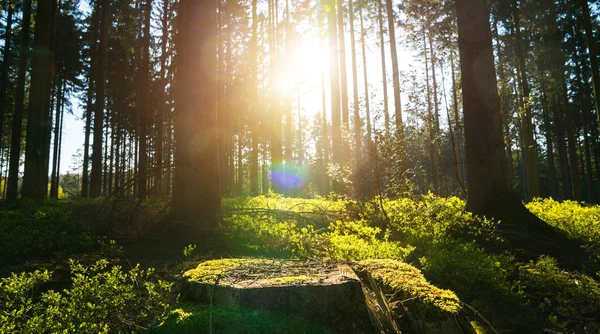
570 301
356 240
406 282
284 226
102 299
40 229
579 221
430 220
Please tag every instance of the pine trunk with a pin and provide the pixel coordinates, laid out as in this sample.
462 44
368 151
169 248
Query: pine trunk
196 193
35 185
12 190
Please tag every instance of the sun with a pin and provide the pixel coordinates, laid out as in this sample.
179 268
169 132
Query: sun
299 72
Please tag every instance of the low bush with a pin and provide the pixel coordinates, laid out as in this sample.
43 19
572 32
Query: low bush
101 299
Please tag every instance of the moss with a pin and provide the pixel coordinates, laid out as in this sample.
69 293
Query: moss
407 282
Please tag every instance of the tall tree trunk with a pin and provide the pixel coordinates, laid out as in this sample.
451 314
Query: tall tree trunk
430 119
334 79
322 119
96 174
395 70
85 179
58 118
460 166
162 108
12 190
196 193
144 105
490 191
549 143
591 42
35 174
359 174
438 135
343 67
6 60
559 119
383 69
254 108
369 139
529 148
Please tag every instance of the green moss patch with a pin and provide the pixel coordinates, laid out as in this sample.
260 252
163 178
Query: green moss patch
407 283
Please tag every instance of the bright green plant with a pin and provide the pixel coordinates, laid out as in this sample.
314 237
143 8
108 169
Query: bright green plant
102 299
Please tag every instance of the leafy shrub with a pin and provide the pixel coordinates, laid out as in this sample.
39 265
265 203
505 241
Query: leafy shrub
579 221
569 301
102 299
355 240
279 226
429 220
37 229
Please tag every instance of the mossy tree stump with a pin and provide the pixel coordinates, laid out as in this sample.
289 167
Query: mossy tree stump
328 294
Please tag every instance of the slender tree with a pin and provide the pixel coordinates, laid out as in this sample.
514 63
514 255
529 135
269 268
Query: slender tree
12 190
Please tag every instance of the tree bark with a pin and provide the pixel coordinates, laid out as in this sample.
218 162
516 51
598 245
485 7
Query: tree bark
369 139
6 60
359 174
12 190
395 71
490 192
386 113
96 174
334 80
529 144
254 108
591 42
144 105
196 193
35 174
58 118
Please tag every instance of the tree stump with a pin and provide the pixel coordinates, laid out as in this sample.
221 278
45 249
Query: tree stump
324 293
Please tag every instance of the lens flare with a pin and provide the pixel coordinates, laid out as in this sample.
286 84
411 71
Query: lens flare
289 176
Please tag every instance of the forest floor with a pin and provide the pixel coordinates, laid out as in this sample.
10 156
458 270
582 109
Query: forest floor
432 260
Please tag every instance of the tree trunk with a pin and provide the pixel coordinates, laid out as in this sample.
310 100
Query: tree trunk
254 108
35 175
334 80
438 134
162 108
12 189
58 118
529 144
395 70
369 139
196 193
144 105
383 69
430 126
490 191
96 174
359 174
6 60
591 42
85 179
343 76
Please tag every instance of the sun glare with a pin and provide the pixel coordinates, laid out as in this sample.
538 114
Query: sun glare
300 73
